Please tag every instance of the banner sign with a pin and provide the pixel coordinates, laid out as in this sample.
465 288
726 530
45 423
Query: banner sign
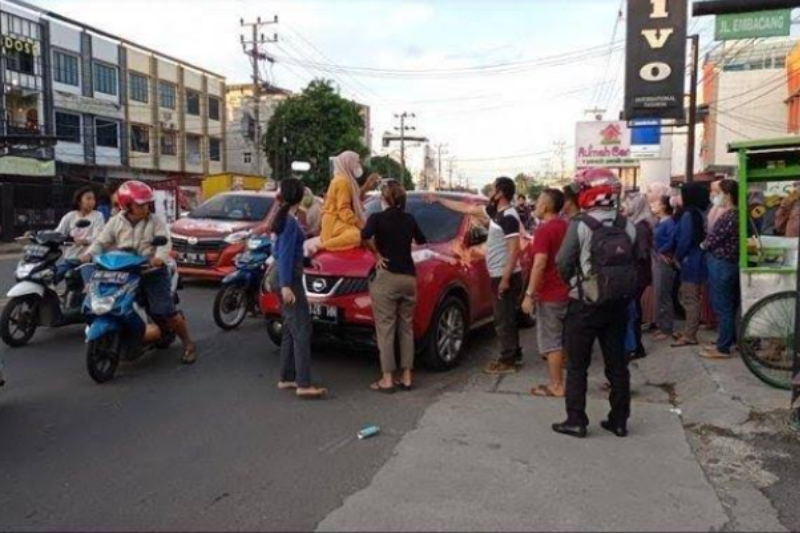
754 25
603 144
656 59
26 166
645 139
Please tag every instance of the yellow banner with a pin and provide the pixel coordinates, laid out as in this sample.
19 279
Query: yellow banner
24 166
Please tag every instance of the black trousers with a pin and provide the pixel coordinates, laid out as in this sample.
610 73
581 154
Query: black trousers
605 323
506 321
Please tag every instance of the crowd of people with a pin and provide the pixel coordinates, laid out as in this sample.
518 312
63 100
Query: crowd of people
589 237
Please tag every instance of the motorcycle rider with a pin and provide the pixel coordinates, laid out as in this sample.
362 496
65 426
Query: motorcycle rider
84 203
135 227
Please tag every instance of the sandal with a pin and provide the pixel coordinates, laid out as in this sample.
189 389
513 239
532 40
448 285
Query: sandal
189 355
376 387
543 391
683 342
403 387
312 393
714 355
660 337
287 385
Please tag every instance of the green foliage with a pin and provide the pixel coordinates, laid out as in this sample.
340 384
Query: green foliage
313 126
391 169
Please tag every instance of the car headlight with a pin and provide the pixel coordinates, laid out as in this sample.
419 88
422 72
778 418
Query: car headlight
24 270
236 238
102 305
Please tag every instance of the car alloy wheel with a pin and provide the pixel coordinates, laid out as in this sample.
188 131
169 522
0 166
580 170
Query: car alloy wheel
451 332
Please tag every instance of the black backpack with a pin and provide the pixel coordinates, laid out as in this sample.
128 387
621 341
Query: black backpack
613 260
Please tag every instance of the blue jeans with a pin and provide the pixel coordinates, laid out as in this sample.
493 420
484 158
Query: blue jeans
724 284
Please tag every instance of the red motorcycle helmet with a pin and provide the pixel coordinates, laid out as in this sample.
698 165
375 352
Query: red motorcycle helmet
597 187
134 192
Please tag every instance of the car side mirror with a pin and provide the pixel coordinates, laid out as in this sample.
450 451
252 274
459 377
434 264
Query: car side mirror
83 224
159 240
477 236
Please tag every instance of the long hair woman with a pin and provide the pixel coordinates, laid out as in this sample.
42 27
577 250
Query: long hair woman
389 236
288 251
637 209
690 234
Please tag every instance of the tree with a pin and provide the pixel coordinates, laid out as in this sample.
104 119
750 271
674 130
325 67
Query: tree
391 169
313 126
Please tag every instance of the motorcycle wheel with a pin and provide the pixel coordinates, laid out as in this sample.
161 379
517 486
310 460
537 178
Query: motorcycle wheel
230 307
275 331
102 358
18 322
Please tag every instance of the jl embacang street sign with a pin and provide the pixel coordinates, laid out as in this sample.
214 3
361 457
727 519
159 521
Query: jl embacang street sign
754 25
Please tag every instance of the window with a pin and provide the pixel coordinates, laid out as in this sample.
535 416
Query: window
140 88
68 127
140 139
213 108
21 62
193 103
194 149
437 223
166 95
248 158
169 143
65 67
107 133
105 79
215 150
235 207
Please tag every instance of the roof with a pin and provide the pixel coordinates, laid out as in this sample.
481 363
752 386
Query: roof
267 90
783 143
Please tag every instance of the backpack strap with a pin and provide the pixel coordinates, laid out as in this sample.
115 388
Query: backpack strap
621 221
591 222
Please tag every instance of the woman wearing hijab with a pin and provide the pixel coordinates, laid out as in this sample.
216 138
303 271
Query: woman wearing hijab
343 215
637 209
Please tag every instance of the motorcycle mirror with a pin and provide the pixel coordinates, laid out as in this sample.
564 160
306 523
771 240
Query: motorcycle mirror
83 224
159 241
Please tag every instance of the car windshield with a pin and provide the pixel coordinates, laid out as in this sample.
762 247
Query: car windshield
232 207
438 223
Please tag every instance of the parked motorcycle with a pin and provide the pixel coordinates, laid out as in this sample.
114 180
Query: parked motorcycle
34 301
240 289
120 327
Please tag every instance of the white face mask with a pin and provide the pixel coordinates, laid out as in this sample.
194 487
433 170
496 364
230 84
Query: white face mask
718 200
359 172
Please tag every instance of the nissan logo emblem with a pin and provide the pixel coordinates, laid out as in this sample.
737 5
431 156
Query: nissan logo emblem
192 240
319 285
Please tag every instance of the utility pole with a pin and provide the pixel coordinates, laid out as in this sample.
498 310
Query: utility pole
442 149
403 129
450 172
691 141
257 54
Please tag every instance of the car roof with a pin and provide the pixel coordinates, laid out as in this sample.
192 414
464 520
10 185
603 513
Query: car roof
458 196
265 194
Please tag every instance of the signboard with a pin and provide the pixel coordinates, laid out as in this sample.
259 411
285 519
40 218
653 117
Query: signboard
603 144
646 139
753 25
656 59
26 166
13 44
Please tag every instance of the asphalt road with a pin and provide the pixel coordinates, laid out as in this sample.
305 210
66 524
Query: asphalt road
209 447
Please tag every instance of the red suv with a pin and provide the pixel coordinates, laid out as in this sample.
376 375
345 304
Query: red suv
454 290
206 242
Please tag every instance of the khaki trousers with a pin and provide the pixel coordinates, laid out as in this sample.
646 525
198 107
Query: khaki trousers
394 298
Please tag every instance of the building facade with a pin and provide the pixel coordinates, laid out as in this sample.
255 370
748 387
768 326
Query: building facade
117 110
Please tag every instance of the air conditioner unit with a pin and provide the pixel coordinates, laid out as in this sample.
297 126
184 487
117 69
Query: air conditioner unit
168 125
166 116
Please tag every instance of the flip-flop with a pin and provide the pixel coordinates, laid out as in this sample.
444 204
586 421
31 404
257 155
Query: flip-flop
320 394
543 391
403 387
714 355
682 343
376 387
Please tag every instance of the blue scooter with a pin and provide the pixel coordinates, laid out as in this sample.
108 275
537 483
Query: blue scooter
240 289
119 326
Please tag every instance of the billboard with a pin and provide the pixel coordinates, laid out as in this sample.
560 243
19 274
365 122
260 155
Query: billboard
645 139
603 144
656 59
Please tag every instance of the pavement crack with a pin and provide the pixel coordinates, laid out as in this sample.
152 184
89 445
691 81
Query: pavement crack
218 499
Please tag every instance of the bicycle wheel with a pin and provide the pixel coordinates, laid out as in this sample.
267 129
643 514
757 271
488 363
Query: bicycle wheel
767 339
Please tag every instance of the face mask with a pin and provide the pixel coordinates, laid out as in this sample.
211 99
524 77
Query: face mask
718 200
359 172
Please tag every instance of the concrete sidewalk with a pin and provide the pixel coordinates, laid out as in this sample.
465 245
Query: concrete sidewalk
485 459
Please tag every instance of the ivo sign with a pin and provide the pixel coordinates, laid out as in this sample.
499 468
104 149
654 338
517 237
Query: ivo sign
656 59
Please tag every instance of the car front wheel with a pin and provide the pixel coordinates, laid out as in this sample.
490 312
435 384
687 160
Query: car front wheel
447 337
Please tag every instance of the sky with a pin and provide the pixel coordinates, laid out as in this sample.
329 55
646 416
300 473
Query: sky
410 56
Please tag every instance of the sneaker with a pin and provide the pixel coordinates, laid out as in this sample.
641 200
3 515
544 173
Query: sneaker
497 368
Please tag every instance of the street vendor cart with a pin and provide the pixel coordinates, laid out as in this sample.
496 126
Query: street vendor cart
769 175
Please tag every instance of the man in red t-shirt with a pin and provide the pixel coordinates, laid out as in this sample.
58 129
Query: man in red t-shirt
547 294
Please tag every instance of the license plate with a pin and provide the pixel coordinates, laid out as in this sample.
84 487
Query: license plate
324 313
36 251
109 277
192 259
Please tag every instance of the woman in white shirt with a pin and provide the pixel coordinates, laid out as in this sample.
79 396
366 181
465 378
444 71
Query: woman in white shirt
84 203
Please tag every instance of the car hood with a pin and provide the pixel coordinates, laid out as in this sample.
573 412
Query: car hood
209 227
359 263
